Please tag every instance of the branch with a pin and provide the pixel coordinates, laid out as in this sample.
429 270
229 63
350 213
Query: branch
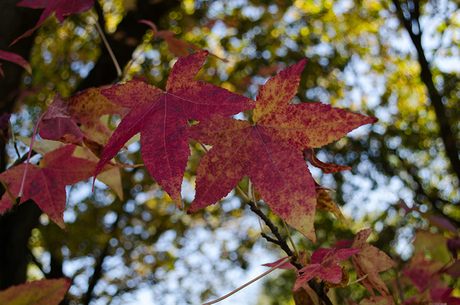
427 78
319 289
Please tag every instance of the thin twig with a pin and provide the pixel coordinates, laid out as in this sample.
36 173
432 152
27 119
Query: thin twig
290 238
101 32
248 283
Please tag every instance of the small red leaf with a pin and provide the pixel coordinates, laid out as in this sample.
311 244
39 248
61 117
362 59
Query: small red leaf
45 184
61 8
49 292
326 167
59 125
17 59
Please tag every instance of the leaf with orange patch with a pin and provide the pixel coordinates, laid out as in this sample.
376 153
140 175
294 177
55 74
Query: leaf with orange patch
17 59
162 119
269 151
370 261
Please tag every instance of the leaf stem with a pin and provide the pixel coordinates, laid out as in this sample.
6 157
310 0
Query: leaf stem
28 155
101 32
290 238
248 283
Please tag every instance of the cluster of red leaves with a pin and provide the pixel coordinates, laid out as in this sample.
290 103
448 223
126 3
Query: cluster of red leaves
270 150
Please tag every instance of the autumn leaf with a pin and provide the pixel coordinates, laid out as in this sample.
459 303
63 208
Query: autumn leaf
77 120
178 47
269 151
61 8
49 292
370 261
326 167
424 273
59 125
325 202
17 59
45 183
161 118
110 176
324 266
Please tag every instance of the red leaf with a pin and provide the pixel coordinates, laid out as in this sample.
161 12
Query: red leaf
423 273
178 47
17 59
61 8
45 184
324 266
326 167
443 296
161 117
269 152
59 125
1 71
370 261
49 292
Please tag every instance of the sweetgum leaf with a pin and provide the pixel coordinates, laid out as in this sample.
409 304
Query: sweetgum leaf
43 292
61 8
59 125
161 118
110 176
45 183
324 266
17 59
370 261
269 152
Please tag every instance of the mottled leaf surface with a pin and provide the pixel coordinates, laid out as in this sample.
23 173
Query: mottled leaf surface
370 261
269 151
161 118
45 183
43 292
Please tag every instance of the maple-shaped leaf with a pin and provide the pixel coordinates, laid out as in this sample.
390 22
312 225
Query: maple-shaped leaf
370 261
45 183
324 266
162 118
17 59
61 8
178 47
49 292
59 125
269 151
110 176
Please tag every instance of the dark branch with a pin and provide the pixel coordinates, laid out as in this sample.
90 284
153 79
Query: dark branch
319 289
427 78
